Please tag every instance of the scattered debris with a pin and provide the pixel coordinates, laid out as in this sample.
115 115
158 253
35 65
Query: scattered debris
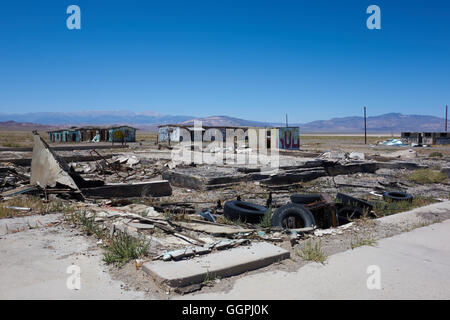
192 215
403 154
18 208
393 142
206 214
356 156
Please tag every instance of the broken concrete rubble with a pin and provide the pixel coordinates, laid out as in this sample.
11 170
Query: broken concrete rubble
402 154
191 251
204 178
356 156
131 160
215 265
213 229
47 169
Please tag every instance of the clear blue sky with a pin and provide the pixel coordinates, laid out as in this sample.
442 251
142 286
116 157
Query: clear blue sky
248 59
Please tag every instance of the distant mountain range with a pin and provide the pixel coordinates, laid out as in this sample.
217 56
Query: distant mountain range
218 121
25 126
386 123
93 117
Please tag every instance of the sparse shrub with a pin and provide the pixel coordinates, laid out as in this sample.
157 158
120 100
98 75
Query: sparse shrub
11 145
385 208
426 176
436 155
363 242
224 220
88 224
313 252
266 221
35 203
174 216
123 248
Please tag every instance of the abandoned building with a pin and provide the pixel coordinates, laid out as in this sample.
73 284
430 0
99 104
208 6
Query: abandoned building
288 137
94 134
426 137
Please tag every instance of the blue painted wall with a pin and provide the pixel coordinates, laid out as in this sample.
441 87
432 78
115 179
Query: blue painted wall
130 134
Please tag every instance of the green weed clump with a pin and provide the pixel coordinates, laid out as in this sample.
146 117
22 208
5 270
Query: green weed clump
363 242
124 248
427 176
313 252
266 221
386 208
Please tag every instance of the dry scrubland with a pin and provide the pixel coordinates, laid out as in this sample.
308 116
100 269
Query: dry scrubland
308 142
13 139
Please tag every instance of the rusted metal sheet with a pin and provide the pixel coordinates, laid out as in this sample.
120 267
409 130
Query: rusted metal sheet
324 211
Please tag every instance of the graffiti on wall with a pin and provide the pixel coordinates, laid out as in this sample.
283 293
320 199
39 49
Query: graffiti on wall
289 138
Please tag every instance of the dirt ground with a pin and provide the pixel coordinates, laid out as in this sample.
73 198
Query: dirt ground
187 201
308 142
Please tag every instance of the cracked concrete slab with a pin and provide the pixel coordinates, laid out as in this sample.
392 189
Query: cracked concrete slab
33 265
218 264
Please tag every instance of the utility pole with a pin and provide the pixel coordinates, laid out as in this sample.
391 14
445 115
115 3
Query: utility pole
365 126
286 121
446 113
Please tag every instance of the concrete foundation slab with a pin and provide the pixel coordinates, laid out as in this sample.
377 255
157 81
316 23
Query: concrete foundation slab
365 167
202 176
121 190
218 264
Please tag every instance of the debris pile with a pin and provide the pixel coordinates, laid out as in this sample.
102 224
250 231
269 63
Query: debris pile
11 177
50 173
193 214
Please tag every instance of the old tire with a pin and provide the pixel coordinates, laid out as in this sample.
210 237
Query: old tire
245 211
354 202
292 216
305 198
397 196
